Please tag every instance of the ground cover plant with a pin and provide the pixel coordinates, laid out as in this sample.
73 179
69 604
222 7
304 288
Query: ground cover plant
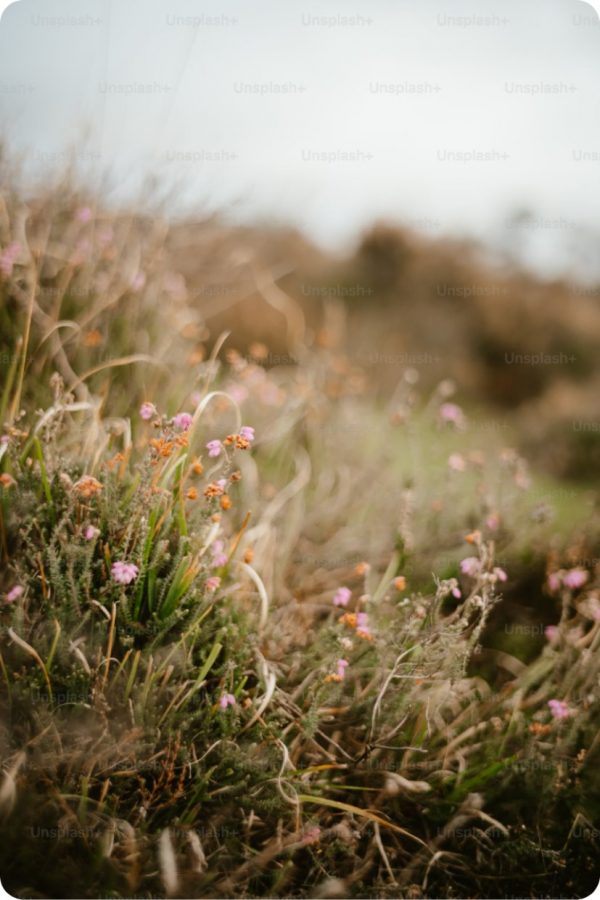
268 630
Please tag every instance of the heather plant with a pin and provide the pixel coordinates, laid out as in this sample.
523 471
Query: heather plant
254 636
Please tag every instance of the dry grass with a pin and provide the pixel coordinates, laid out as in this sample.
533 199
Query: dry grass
188 731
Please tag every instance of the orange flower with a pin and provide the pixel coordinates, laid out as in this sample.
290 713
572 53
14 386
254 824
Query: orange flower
162 446
474 537
362 568
196 356
117 458
360 622
197 467
538 728
192 493
17 432
7 480
213 490
240 442
92 338
225 502
87 486
258 350
248 555
400 583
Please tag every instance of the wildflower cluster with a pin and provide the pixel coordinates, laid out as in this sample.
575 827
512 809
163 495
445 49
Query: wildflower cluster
572 579
257 711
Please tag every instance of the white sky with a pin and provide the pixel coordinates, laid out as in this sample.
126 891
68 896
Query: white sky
62 79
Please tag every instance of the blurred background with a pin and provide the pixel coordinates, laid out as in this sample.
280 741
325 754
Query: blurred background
463 119
426 174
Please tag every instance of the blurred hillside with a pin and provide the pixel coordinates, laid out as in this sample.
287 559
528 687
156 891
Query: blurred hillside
518 348
528 349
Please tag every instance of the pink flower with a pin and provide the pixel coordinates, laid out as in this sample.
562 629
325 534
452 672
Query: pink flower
551 633
91 532
84 214
451 414
14 593
226 700
342 596
595 609
311 835
219 558
554 581
575 578
247 432
8 258
4 439
500 573
222 482
237 392
147 410
341 667
457 462
456 593
182 420
124 573
214 448
470 566
559 709
213 583
362 625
